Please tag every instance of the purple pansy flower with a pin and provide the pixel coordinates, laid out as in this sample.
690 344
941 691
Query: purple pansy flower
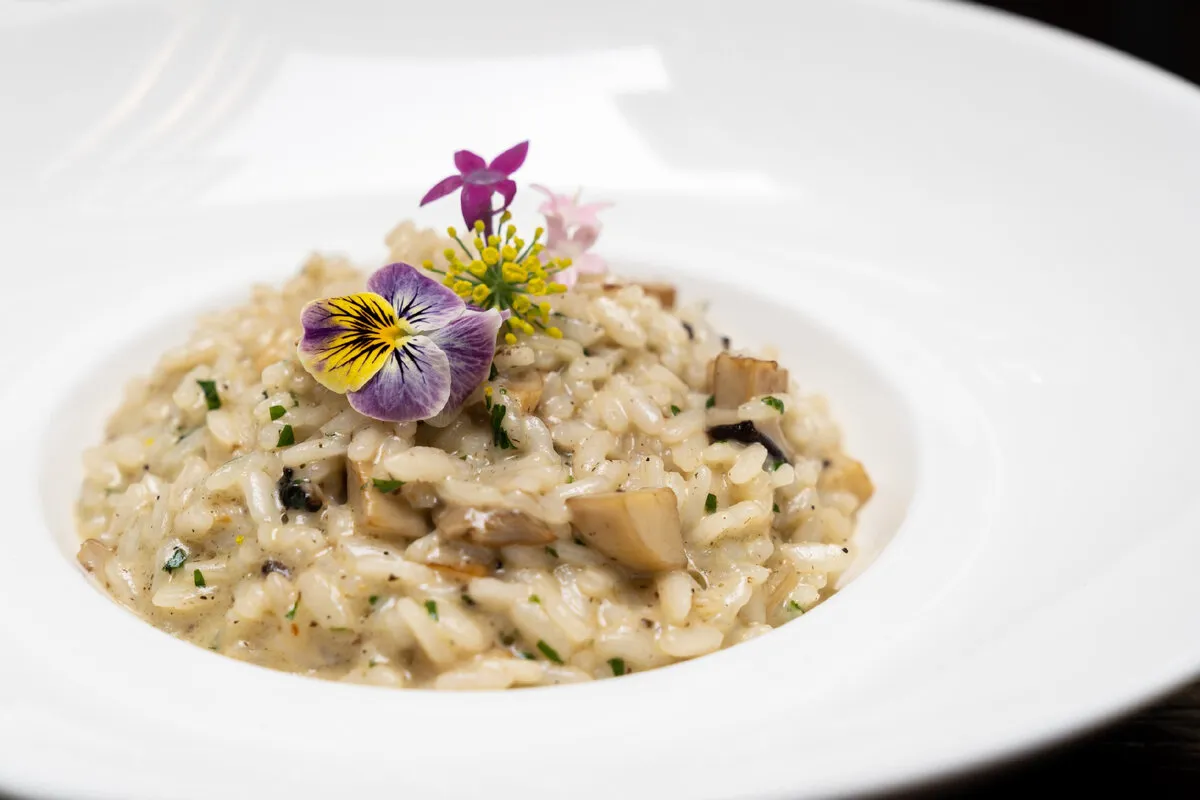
406 349
479 180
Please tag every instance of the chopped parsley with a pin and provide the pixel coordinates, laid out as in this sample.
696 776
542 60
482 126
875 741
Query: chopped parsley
499 435
277 412
779 462
211 398
386 486
551 551
373 599
176 560
493 372
287 437
711 401
291 614
533 598
198 578
710 503
549 652
792 605
526 656
431 609
774 402
618 665
570 479
675 410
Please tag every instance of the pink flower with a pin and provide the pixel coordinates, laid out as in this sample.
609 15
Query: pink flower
571 230
479 180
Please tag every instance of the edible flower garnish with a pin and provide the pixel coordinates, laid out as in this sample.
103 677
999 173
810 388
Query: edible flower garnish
406 349
479 180
505 273
571 230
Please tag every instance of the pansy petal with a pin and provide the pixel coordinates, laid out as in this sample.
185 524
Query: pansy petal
347 339
476 204
443 188
470 343
465 161
413 384
511 159
416 298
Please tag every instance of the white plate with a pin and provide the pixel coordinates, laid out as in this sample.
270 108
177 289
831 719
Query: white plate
977 236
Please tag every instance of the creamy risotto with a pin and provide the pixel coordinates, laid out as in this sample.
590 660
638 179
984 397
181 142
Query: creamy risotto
637 492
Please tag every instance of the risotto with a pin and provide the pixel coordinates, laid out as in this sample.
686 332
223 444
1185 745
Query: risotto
625 489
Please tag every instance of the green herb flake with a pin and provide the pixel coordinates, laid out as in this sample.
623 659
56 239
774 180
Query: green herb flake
570 479
469 600
774 402
618 665
533 598
675 410
493 373
198 578
526 656
211 398
291 614
499 435
277 412
775 507
792 605
176 560
287 437
431 609
549 652
710 402
338 629
373 599
551 551
778 463
386 486
710 504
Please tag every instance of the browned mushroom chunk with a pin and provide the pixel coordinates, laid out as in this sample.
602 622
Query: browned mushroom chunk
93 554
737 379
497 527
380 513
639 529
662 291
845 474
526 386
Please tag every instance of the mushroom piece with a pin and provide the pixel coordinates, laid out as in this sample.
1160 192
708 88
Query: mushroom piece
497 527
736 379
93 554
845 474
526 386
660 290
381 513
639 529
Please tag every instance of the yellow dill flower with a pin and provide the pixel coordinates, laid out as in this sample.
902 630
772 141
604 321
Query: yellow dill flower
480 293
538 248
537 286
491 256
479 244
479 226
463 289
521 304
556 288
510 339
477 268
544 309
519 243
508 253
452 232
514 273
449 280
493 240
487 391
538 233
554 333
448 253
239 539
521 325
427 264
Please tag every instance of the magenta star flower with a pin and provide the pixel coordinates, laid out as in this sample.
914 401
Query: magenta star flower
479 180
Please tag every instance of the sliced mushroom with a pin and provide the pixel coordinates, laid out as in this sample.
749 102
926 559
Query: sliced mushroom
381 513
497 527
93 554
526 386
737 379
639 529
662 291
457 559
845 474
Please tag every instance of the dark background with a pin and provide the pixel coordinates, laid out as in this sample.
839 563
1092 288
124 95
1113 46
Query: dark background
1164 32
1156 752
